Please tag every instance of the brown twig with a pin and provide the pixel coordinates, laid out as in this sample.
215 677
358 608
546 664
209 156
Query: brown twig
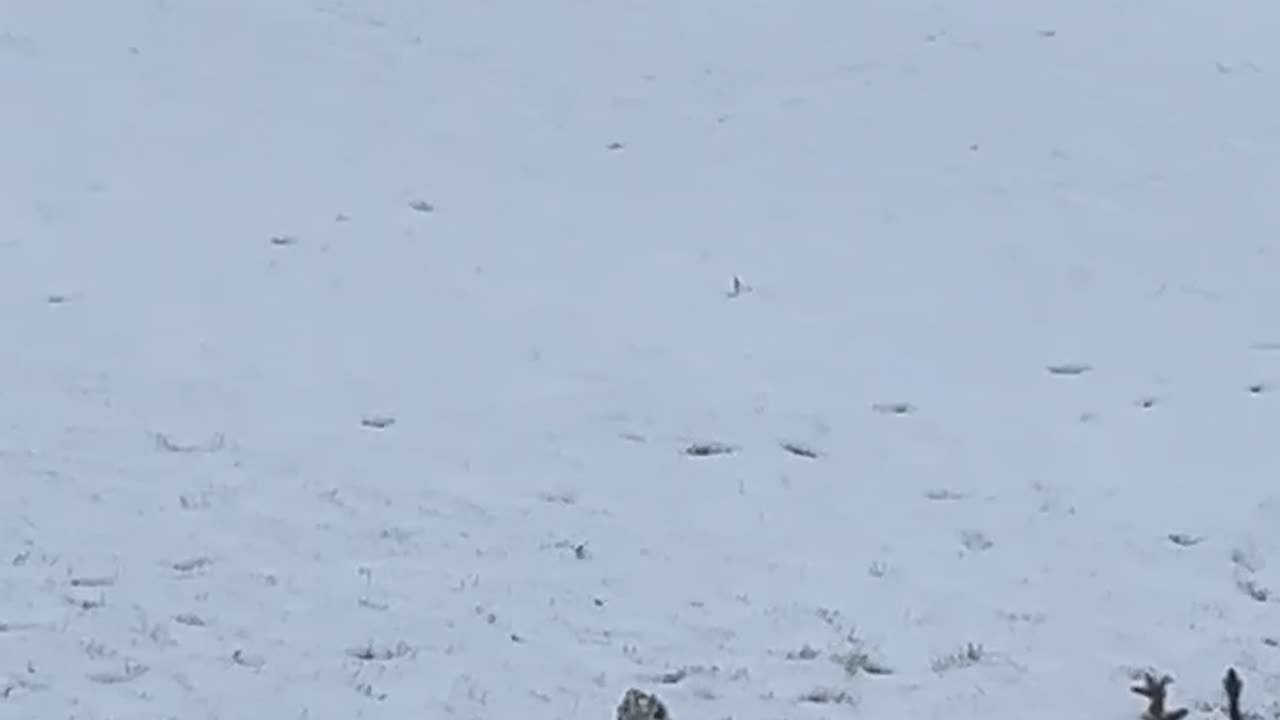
1233 685
1156 691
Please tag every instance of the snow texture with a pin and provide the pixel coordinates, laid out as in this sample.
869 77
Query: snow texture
787 360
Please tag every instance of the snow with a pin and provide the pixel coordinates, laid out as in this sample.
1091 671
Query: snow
354 353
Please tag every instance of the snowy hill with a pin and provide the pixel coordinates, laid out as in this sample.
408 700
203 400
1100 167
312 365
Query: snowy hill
821 359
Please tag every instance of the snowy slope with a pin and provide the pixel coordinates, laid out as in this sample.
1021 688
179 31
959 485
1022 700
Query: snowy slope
353 351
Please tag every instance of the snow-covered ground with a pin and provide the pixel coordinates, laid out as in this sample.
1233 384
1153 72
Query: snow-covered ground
397 359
